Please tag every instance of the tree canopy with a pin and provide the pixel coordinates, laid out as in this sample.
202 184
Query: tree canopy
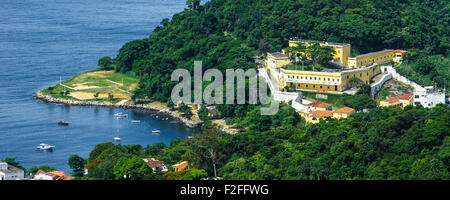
227 34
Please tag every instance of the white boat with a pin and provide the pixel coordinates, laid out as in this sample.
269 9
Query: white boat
43 146
156 131
120 115
135 121
117 138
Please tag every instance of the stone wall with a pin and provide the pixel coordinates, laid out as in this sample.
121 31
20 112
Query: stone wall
400 78
376 87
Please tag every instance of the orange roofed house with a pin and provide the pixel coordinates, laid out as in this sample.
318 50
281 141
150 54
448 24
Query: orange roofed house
180 166
317 105
316 115
155 164
343 112
398 101
398 54
54 175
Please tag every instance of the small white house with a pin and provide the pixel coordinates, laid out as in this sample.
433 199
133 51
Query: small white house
429 97
9 172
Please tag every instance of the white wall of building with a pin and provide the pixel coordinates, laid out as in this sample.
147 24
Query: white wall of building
428 97
8 172
376 87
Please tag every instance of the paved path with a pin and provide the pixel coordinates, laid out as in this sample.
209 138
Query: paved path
284 96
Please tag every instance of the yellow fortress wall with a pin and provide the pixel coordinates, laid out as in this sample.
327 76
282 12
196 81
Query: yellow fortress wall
370 58
326 81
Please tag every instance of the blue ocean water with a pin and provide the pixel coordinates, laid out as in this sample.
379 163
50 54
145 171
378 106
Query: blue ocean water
43 40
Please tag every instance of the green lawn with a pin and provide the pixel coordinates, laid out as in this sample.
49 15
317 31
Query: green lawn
95 78
57 91
334 99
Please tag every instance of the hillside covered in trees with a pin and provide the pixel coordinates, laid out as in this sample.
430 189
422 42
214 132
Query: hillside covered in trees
385 143
227 34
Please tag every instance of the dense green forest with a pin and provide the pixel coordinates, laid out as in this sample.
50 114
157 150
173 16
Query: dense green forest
227 34
385 143
388 143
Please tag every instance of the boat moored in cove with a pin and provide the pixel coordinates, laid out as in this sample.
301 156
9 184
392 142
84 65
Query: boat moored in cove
120 115
156 131
43 146
64 123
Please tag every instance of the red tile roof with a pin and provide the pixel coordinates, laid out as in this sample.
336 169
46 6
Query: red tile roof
399 51
40 172
154 163
318 104
393 100
56 175
346 110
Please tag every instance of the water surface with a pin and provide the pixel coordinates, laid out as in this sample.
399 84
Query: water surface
43 40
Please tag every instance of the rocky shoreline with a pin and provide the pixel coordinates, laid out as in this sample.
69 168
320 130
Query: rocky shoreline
159 109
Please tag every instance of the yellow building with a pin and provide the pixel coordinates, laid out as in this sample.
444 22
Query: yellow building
398 54
325 81
318 105
364 67
371 58
276 60
180 166
316 115
343 112
342 50
398 101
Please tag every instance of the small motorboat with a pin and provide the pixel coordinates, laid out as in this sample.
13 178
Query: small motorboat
120 115
156 131
116 138
43 146
135 121
64 123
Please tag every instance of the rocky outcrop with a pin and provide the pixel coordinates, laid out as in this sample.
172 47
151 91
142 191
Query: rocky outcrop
159 109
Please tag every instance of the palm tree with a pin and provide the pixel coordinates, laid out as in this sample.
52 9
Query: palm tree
303 58
294 52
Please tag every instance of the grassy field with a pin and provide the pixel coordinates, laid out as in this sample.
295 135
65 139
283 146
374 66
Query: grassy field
334 99
95 85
